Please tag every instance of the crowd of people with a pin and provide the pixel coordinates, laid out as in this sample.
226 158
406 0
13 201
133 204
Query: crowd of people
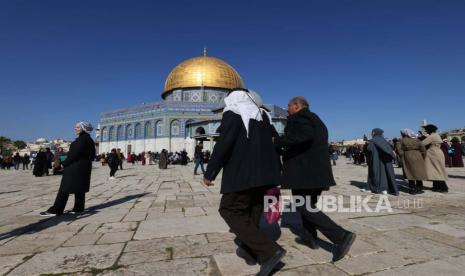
9 161
115 159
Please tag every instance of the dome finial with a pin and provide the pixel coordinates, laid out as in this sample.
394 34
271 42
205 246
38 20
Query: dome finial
204 51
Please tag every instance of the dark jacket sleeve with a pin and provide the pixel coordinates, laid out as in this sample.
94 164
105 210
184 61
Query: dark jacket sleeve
383 145
229 130
297 133
74 152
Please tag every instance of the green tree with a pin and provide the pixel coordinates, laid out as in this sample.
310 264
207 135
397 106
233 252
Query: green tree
19 144
4 141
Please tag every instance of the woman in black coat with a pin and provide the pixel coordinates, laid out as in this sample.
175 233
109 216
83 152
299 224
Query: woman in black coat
113 163
77 170
40 164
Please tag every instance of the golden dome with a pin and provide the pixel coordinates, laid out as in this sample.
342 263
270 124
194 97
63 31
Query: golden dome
203 71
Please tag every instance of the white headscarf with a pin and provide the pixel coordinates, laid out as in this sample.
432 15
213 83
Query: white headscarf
408 132
86 126
248 105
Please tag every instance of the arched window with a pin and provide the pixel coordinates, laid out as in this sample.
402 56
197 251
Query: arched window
138 131
175 128
111 134
104 134
187 129
120 133
159 127
148 130
199 131
129 132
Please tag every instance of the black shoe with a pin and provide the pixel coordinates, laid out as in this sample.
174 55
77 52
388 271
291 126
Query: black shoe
268 266
343 248
246 256
420 192
308 240
47 214
244 252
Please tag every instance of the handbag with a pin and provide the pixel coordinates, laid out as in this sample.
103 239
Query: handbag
273 210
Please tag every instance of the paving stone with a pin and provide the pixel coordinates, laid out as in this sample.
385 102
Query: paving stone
163 227
320 269
40 242
437 236
390 222
135 216
181 267
70 259
83 239
371 263
9 262
90 228
115 237
117 227
194 212
217 237
437 267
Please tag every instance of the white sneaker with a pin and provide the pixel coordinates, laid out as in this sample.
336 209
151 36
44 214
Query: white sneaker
363 190
47 214
384 192
111 177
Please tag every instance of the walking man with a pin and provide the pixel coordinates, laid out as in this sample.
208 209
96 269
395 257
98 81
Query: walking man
308 172
198 155
250 166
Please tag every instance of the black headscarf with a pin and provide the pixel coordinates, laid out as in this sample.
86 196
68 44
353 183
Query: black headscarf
377 132
430 128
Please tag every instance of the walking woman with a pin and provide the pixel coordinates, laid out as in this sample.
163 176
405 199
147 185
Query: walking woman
77 170
456 153
434 161
113 162
412 153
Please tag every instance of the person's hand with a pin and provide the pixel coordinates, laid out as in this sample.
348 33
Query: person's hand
273 139
207 182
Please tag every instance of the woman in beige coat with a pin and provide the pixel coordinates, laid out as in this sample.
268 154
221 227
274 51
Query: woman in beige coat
434 161
412 152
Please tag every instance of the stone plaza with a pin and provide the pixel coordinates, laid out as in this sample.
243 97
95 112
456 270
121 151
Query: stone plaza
165 222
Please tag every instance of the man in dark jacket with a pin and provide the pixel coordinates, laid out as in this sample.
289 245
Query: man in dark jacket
307 171
250 166
198 155
77 170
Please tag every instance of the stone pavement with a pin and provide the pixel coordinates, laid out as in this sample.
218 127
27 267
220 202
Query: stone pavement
152 222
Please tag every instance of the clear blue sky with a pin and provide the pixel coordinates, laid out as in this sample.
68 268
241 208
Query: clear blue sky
361 63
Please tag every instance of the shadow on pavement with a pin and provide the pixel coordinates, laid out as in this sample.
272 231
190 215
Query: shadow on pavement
52 221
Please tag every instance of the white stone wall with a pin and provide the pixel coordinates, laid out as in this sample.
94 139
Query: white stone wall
155 145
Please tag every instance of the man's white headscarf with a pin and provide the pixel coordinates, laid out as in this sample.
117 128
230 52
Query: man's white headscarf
248 105
86 126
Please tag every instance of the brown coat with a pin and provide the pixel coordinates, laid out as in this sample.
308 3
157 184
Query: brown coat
434 161
413 153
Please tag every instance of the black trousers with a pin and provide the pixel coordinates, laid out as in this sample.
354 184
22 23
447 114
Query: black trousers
440 186
313 221
120 164
242 212
61 200
113 170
